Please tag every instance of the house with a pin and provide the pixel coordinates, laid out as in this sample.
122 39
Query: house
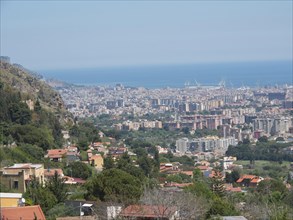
18 176
72 154
230 188
73 180
169 168
149 212
115 152
11 199
56 155
24 212
228 162
97 161
249 180
188 173
48 173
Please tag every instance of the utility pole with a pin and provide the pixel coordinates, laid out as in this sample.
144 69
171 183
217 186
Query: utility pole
1 124
80 216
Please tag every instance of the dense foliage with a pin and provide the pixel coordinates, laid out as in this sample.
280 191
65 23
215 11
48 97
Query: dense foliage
263 150
114 185
33 131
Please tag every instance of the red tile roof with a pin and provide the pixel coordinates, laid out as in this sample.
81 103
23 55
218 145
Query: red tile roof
96 156
24 213
232 189
56 153
250 177
203 167
189 173
255 180
150 211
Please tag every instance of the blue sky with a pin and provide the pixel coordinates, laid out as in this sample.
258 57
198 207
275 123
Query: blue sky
77 34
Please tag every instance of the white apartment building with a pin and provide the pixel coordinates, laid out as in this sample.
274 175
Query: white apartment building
206 144
273 126
182 145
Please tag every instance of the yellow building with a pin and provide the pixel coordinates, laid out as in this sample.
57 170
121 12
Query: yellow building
18 176
10 199
97 161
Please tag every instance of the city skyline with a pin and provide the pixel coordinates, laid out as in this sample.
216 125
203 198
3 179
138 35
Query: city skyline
63 35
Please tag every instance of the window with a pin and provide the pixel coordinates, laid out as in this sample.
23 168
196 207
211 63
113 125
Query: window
15 185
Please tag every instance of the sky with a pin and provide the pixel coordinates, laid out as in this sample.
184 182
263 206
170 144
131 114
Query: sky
50 35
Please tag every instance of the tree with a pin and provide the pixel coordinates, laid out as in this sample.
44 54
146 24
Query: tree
79 169
20 113
228 178
157 159
124 160
41 137
235 175
145 163
57 186
40 195
267 187
246 141
174 178
263 139
280 139
108 163
37 107
197 175
185 130
217 184
114 185
232 177
83 144
221 207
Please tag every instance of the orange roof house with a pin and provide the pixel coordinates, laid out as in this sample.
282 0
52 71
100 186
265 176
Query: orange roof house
149 212
24 212
249 180
230 188
56 154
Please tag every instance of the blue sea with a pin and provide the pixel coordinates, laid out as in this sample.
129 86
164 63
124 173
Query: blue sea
234 74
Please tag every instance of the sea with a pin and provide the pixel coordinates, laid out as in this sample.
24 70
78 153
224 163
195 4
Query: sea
236 74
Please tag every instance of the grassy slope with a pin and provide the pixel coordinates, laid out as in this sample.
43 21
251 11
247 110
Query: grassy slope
266 168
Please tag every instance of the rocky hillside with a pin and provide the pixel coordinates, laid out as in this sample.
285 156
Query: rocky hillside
31 87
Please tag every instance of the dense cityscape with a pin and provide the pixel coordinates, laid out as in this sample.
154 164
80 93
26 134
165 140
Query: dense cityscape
180 153
146 110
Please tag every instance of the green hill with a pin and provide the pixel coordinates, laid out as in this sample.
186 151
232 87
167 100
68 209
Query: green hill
32 116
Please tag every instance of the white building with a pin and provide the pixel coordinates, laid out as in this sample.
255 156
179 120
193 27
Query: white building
182 145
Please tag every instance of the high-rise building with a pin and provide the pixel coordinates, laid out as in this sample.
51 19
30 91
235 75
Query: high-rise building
182 145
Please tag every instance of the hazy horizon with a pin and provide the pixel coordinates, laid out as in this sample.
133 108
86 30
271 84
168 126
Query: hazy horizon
235 74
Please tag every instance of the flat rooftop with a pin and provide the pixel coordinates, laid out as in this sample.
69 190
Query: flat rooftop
25 166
